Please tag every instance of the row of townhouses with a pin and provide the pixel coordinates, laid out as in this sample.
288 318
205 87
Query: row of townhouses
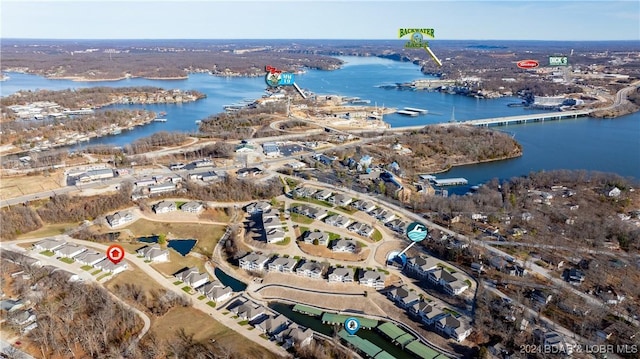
80 254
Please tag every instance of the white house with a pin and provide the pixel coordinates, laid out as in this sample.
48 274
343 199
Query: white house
310 269
282 265
119 218
338 220
341 275
48 244
113 268
319 237
154 253
164 207
371 278
275 235
253 262
344 245
90 258
192 207
192 277
69 250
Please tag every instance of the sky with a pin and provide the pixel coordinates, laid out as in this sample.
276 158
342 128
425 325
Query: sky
320 19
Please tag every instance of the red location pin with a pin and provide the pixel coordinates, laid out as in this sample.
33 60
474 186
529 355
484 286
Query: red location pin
115 253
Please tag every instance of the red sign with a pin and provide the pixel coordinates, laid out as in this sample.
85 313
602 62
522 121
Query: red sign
115 253
272 70
527 64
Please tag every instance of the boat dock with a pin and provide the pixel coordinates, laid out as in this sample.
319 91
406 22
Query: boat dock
450 181
407 113
418 110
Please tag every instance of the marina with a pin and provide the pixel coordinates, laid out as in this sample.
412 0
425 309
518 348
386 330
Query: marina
458 181
407 113
418 110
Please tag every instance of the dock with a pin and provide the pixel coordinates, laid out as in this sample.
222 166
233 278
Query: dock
407 113
450 181
418 110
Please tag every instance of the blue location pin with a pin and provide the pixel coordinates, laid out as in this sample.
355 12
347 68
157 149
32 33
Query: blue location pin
351 325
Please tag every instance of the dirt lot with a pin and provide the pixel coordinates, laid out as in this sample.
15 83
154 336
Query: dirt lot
17 186
386 247
178 262
205 328
322 251
206 234
48 230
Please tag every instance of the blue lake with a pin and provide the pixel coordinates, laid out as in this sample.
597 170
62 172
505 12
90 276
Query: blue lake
590 144
229 281
182 246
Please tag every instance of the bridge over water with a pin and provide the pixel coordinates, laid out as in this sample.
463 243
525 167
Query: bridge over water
496 121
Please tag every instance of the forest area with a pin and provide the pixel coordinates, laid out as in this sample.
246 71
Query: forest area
244 123
70 325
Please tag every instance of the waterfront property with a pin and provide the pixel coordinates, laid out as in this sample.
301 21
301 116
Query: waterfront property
371 278
154 253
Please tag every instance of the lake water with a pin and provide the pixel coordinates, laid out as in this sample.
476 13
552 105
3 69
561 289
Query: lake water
182 246
229 281
591 144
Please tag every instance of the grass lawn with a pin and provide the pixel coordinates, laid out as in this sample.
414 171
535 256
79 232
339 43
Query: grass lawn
48 230
137 277
86 267
180 203
284 242
452 312
347 209
178 262
202 297
47 253
96 272
332 236
178 282
361 244
186 289
207 235
103 276
298 218
468 282
244 322
204 328
212 304
66 260
303 229
376 236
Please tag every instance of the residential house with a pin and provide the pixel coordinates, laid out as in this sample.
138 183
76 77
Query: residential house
397 225
449 282
295 335
304 192
11 305
427 313
344 245
164 207
341 275
69 250
274 235
271 149
386 216
574 276
216 291
90 258
119 218
154 253
316 237
283 265
337 220
454 328
614 192
258 207
246 172
309 211
371 278
192 277
273 324
192 207
249 311
365 161
362 229
540 296
253 262
106 265
340 200
364 206
421 266
310 269
48 244
323 195
23 317
403 296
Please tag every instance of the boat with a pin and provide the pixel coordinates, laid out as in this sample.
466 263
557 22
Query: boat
159 120
407 113
198 122
116 132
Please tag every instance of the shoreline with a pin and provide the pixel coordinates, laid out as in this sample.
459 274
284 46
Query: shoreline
519 154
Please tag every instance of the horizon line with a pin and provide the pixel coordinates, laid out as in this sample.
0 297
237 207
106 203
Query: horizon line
288 39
